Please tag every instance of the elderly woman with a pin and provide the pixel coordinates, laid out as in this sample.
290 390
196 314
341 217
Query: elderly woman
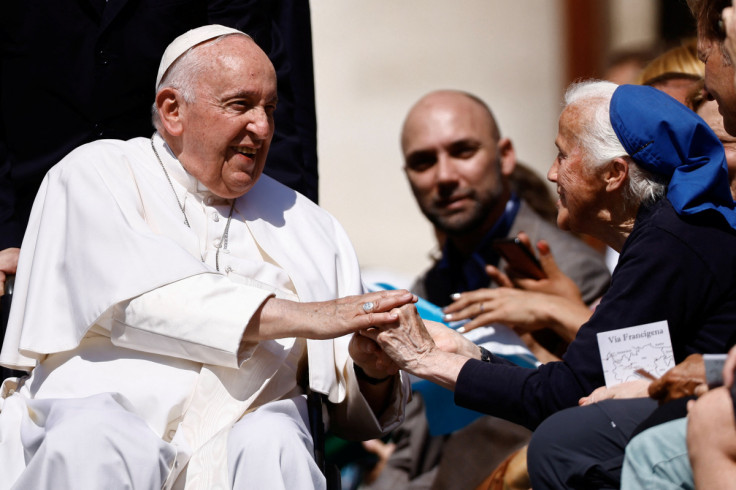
678 73
644 174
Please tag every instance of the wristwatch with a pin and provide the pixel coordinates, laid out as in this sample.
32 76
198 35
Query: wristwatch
485 354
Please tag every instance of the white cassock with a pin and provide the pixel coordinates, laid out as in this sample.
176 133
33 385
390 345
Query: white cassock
115 293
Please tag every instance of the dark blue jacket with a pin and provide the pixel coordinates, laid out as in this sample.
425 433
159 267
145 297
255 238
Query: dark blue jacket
682 270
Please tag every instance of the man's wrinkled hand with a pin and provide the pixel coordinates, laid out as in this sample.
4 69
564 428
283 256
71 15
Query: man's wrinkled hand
685 379
369 356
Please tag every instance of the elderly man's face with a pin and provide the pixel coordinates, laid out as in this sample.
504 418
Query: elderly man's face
452 162
719 80
579 189
227 129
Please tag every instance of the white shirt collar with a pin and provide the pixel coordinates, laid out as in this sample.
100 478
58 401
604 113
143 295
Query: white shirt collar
178 173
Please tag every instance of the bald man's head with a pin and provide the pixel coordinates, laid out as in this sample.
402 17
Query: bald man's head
454 101
456 162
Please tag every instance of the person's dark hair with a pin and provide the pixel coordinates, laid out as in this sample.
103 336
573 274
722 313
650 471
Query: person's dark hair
707 15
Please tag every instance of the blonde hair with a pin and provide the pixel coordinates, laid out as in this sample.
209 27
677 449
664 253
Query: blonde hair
679 62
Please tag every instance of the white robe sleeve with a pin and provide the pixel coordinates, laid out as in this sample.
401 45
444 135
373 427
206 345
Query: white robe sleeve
355 420
200 318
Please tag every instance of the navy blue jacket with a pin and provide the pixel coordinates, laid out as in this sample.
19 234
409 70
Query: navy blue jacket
682 270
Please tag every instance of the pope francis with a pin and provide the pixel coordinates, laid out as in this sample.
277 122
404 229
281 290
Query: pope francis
172 303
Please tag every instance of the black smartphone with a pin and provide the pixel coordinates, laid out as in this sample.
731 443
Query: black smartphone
521 260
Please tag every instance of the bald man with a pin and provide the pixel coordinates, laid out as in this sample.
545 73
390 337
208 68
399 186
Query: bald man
460 170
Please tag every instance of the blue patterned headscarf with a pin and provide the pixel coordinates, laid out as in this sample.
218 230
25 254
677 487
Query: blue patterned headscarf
666 138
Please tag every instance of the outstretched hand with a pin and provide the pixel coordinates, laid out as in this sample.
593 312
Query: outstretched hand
326 319
524 311
352 313
512 307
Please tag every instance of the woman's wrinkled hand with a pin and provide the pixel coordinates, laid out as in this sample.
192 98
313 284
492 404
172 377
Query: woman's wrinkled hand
406 341
630 389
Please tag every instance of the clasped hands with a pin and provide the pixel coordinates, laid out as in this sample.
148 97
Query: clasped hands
426 349
388 333
415 345
319 320
524 304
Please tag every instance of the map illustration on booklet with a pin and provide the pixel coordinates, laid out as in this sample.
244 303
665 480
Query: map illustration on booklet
625 350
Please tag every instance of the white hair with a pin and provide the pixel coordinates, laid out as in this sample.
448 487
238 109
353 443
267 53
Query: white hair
183 75
601 145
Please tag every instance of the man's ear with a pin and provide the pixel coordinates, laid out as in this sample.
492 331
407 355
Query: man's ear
616 174
168 104
507 156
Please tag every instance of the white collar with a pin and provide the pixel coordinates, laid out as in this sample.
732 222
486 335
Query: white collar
178 173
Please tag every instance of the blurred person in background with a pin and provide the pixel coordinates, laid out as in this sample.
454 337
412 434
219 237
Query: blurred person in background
677 72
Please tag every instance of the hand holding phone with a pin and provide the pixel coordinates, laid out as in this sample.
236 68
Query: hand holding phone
521 260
